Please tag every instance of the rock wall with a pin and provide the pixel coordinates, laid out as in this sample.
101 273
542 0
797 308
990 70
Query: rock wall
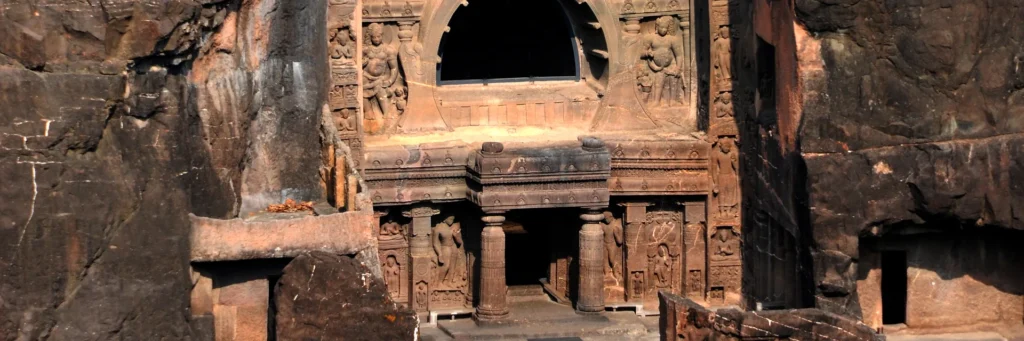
888 116
683 319
117 119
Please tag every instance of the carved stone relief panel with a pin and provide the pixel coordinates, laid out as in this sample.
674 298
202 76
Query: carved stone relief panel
384 94
343 96
663 69
662 233
725 178
393 247
696 249
451 279
662 66
614 264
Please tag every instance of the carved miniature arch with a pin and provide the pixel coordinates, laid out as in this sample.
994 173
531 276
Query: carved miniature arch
594 33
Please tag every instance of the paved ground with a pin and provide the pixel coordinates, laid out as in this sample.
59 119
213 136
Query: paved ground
537 318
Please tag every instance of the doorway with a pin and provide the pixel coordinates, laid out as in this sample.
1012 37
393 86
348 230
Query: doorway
894 287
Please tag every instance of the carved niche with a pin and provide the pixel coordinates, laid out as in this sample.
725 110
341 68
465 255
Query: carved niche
385 95
394 258
663 65
724 265
659 49
662 233
450 264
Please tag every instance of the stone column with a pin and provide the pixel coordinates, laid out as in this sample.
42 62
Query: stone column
591 290
419 256
493 289
636 259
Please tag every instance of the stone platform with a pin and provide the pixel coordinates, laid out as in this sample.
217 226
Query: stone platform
539 318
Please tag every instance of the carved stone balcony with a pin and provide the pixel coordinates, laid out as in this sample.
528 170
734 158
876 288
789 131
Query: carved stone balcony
533 175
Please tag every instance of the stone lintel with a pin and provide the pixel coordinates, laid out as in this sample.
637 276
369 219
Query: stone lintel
238 239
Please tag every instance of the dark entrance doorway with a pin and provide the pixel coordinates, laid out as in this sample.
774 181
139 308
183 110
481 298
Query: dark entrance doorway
894 287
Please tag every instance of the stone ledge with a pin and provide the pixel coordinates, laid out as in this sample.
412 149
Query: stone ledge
237 239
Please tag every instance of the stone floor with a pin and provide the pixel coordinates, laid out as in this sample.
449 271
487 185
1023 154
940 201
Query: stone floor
980 336
539 318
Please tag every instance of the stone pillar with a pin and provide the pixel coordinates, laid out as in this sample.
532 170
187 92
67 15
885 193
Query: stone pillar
493 289
419 256
241 310
636 259
591 290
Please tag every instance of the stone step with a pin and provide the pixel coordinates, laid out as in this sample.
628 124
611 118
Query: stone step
526 290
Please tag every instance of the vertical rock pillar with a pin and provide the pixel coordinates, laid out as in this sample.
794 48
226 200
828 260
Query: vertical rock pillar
419 255
591 290
493 289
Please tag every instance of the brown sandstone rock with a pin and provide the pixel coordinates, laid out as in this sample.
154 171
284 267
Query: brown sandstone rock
328 297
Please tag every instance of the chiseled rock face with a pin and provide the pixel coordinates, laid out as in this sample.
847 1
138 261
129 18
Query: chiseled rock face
322 296
912 116
109 139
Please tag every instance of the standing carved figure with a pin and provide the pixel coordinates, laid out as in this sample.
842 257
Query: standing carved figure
392 275
662 268
447 245
380 72
721 54
726 179
663 53
613 243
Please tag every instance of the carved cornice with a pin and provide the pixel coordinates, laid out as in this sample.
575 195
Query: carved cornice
633 9
392 10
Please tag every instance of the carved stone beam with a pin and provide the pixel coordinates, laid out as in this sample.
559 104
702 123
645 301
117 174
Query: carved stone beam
493 289
419 252
591 290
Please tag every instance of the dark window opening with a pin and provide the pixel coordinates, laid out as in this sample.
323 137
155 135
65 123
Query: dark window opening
894 287
765 76
489 40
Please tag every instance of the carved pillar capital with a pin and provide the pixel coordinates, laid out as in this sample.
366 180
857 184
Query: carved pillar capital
421 211
632 26
405 32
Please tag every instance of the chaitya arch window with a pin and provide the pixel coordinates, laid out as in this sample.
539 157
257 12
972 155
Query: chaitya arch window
508 40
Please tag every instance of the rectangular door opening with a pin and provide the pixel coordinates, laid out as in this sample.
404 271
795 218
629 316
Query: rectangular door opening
894 287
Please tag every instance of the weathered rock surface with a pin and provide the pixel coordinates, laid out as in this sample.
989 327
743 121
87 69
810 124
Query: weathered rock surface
323 296
108 142
683 319
902 115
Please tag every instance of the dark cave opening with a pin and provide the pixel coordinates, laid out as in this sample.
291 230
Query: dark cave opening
894 287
